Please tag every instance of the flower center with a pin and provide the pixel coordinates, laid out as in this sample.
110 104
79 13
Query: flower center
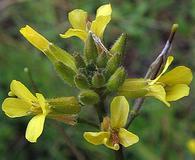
114 137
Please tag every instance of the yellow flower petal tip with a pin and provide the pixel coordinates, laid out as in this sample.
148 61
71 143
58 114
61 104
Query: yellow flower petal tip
35 38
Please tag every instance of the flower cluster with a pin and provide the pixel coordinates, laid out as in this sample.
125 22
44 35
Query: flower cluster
97 73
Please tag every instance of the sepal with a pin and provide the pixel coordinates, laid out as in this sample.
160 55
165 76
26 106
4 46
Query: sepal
88 97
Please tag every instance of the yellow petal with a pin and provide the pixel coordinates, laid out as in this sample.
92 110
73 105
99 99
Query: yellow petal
99 24
35 128
104 10
14 107
75 32
158 92
178 75
43 104
18 89
110 145
119 112
167 64
35 38
191 145
127 138
176 92
78 18
96 138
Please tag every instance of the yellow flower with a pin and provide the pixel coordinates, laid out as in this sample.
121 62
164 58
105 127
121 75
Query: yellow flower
80 27
167 87
23 103
53 52
113 132
191 145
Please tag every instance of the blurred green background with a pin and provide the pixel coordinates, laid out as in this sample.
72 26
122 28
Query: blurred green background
163 131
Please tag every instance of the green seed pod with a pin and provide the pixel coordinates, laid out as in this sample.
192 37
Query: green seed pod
81 81
119 45
102 60
98 80
88 97
64 105
79 61
116 80
90 50
113 63
65 72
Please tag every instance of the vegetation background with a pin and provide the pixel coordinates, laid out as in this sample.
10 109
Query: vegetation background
163 131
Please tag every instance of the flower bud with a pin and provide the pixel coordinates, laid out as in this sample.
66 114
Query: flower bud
119 45
98 80
79 61
81 81
90 49
134 88
116 80
102 60
65 72
88 97
64 105
112 65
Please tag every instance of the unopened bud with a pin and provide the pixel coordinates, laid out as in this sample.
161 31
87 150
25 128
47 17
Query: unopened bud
116 80
79 61
98 80
90 49
119 45
81 81
112 65
88 97
102 60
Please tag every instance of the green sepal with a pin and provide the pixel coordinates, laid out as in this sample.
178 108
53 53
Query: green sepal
65 72
63 56
88 97
98 80
81 81
113 63
134 88
79 61
90 50
64 105
119 45
102 60
116 80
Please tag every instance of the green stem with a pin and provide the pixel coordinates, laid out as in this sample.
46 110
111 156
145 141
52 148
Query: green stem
119 154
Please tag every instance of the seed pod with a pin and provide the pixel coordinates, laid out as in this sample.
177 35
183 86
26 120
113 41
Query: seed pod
116 80
65 72
119 45
90 50
88 97
79 61
98 80
81 81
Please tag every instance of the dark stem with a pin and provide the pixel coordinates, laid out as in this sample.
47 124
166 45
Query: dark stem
119 154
